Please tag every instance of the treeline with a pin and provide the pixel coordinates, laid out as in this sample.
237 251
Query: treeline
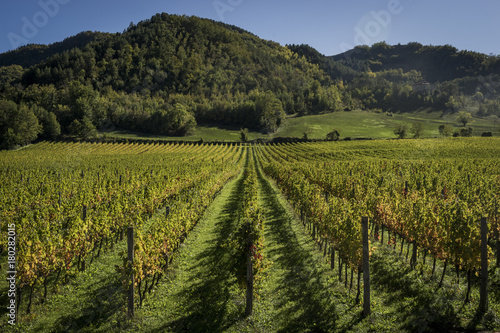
403 78
32 54
436 63
165 74
397 91
79 111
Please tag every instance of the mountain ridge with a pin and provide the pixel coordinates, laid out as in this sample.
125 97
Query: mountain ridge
436 63
32 54
168 73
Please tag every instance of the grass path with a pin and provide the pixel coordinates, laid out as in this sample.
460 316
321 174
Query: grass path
201 294
299 293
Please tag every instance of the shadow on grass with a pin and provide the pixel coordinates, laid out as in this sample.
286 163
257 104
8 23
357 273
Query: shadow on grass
307 305
208 302
417 305
105 300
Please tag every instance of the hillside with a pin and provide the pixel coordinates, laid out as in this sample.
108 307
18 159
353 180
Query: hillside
334 68
29 55
354 124
436 63
165 75
406 78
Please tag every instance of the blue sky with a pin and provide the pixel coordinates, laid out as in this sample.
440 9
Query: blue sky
331 26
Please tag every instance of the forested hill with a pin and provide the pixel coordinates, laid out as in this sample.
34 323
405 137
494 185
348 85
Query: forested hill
164 75
33 54
404 78
335 69
169 73
436 63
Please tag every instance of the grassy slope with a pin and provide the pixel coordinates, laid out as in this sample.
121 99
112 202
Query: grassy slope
352 124
205 132
375 125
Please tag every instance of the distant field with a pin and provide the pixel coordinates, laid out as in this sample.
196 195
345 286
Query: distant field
358 123
207 133
354 124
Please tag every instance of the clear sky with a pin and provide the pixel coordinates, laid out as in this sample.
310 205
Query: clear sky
330 26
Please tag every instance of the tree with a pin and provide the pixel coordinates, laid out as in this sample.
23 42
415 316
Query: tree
18 125
75 128
401 130
87 129
244 135
176 121
466 132
81 99
181 121
51 128
452 104
270 111
10 74
464 118
333 135
445 130
478 97
417 129
83 129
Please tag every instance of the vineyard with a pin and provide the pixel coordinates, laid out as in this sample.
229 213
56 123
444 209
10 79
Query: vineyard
263 237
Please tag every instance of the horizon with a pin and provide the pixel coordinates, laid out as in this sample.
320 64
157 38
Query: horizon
330 28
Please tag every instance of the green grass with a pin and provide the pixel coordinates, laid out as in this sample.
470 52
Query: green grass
298 293
206 132
200 293
91 302
368 124
354 124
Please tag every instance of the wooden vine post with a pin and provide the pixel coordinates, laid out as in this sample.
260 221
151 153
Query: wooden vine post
249 300
130 294
366 267
483 293
80 259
